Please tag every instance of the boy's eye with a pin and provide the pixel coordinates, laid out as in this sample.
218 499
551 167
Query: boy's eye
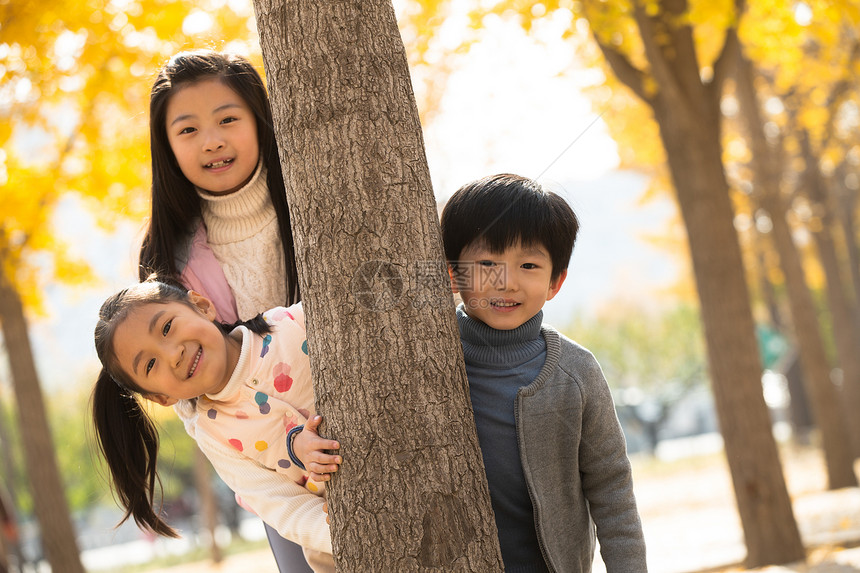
149 365
166 328
529 266
485 263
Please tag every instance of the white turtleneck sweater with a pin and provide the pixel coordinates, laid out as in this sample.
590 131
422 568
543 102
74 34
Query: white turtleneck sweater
242 231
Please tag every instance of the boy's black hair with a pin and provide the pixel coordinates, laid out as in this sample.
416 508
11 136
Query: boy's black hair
502 210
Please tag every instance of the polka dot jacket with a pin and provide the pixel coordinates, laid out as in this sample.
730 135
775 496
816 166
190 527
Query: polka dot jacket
243 429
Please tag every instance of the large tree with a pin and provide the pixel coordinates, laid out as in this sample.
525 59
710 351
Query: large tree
383 343
766 161
58 535
686 106
74 90
806 57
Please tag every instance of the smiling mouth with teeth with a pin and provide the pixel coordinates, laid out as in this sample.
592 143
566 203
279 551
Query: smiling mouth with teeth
194 364
217 164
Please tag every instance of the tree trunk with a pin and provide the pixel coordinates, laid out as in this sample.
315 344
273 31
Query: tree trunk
846 329
847 201
208 505
384 346
763 503
807 330
52 510
799 415
768 293
827 411
688 116
8 494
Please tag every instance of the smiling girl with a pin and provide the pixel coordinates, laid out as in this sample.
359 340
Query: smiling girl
239 392
220 223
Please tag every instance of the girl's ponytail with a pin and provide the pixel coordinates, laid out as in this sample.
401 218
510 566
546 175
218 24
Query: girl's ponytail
128 440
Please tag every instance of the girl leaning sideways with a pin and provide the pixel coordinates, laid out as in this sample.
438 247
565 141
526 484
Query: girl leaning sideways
241 391
220 224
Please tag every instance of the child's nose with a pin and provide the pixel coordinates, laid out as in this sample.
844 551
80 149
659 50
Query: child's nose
508 281
175 355
213 142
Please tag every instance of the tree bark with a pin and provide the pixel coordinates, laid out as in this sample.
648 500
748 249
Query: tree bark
846 328
8 494
763 503
208 504
826 408
847 208
688 116
52 510
798 409
384 347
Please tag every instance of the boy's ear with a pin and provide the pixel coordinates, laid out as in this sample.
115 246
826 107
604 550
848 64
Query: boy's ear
202 303
454 288
160 399
555 285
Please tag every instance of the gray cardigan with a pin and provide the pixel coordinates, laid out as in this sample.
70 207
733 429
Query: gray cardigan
575 461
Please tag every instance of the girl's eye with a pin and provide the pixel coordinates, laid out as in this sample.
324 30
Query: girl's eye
187 130
228 120
149 365
166 328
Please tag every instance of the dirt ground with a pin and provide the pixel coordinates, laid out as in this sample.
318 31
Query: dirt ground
691 523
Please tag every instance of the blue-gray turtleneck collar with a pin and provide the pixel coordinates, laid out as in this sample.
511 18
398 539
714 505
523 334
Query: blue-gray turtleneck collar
486 346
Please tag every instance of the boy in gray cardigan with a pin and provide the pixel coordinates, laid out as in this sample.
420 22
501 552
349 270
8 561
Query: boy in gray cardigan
552 446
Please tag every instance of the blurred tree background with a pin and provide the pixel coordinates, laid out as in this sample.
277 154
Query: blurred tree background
74 83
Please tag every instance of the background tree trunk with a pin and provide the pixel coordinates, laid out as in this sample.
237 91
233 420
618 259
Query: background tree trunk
847 208
826 408
827 411
687 113
846 329
763 503
8 494
207 504
383 340
52 510
799 415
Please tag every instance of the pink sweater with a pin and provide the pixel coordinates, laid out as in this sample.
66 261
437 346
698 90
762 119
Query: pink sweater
203 274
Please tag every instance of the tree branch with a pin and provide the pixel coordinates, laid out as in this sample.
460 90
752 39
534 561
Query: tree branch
660 67
838 94
630 75
723 65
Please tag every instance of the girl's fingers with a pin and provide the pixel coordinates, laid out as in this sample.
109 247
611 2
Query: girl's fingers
318 468
314 423
323 444
324 459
